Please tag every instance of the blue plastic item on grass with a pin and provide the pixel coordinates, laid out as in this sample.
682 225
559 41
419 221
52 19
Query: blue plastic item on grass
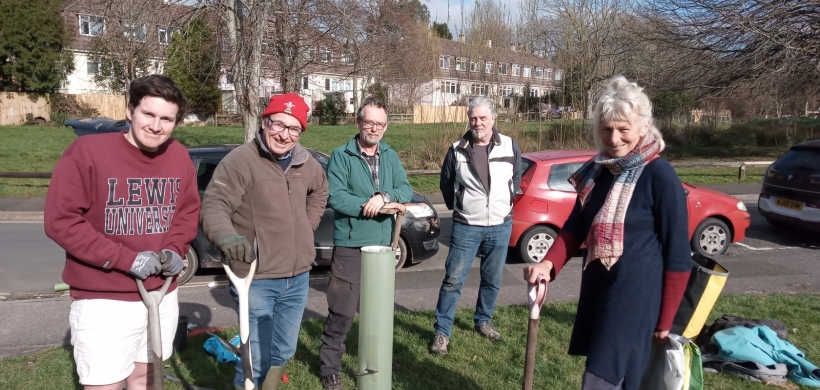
223 354
761 345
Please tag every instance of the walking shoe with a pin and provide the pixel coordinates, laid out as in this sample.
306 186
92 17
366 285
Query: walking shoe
487 330
439 346
332 382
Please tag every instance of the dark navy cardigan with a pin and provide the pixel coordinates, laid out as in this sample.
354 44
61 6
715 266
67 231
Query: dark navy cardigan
618 308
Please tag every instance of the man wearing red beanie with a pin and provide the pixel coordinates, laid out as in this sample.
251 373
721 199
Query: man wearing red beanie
264 201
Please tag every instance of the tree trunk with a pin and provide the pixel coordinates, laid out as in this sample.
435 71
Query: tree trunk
246 64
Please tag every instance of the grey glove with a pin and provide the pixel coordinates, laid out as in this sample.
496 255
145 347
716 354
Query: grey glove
145 264
237 248
172 264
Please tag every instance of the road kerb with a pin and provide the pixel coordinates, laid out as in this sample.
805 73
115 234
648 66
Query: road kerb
21 215
440 208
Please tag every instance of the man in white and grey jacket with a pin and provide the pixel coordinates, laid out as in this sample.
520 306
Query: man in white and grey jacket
479 179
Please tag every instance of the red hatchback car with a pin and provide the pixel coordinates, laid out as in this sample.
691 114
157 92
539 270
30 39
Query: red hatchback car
715 219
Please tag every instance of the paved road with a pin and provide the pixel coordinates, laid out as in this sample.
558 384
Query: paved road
769 260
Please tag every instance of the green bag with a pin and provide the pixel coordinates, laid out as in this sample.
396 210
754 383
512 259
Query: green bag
693 373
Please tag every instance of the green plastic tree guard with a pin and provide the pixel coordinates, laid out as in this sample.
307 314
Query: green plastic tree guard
376 318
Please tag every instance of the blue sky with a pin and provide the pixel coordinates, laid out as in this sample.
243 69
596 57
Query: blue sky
438 11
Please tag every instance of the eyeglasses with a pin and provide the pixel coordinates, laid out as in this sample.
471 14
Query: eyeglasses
278 127
373 125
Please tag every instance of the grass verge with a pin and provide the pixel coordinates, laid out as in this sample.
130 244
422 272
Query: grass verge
473 362
37 149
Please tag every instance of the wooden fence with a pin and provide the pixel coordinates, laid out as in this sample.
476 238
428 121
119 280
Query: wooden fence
439 114
14 106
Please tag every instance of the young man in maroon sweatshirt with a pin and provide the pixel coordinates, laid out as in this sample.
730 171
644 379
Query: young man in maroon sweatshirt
115 202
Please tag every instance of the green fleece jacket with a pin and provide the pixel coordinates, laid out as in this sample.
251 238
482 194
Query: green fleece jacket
351 186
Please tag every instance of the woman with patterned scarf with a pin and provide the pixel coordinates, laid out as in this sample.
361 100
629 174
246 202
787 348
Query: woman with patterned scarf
631 214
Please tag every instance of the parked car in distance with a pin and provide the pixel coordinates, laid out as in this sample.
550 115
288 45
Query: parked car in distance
790 195
419 232
715 219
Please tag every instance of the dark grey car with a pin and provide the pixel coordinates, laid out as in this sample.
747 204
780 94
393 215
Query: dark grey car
791 188
419 231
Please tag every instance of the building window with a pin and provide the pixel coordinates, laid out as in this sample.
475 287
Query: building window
461 64
134 31
341 85
228 78
516 70
533 92
502 68
444 62
450 87
479 89
474 65
92 67
527 71
92 26
165 34
310 54
305 84
506 91
539 73
548 76
346 58
327 84
325 55
488 67
557 74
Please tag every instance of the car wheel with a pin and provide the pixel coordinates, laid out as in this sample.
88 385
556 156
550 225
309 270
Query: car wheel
191 261
401 254
535 243
712 237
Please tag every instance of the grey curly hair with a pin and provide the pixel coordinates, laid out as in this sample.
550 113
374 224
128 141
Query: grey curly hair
623 100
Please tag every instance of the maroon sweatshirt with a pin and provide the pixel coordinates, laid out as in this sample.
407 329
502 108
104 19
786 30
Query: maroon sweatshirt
108 200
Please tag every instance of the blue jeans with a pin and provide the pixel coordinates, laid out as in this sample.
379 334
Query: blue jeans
490 243
275 310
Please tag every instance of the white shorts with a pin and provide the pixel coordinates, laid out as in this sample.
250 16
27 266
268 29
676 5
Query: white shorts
110 336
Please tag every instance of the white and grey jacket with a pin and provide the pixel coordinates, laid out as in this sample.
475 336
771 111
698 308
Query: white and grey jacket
472 204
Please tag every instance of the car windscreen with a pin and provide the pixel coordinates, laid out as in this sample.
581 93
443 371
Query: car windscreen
804 160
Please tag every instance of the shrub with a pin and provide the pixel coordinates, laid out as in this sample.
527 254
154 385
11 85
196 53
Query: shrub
65 107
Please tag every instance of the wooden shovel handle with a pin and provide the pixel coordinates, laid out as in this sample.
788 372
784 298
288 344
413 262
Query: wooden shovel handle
529 361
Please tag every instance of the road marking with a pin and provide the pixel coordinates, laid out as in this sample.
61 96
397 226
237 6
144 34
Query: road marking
205 284
762 249
752 248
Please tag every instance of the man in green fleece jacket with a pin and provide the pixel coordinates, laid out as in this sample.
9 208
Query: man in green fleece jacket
364 175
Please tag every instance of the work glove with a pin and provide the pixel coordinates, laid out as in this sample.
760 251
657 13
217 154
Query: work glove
145 264
237 248
172 264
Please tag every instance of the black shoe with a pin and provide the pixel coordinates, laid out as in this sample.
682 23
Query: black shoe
332 382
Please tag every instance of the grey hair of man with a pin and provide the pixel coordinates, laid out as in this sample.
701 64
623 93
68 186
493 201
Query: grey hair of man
482 101
370 101
623 100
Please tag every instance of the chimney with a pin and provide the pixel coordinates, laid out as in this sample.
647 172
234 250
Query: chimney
489 43
462 38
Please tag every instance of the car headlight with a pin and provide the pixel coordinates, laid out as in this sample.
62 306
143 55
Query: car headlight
741 206
420 210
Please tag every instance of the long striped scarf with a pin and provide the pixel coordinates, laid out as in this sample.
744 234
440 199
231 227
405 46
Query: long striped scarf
605 240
